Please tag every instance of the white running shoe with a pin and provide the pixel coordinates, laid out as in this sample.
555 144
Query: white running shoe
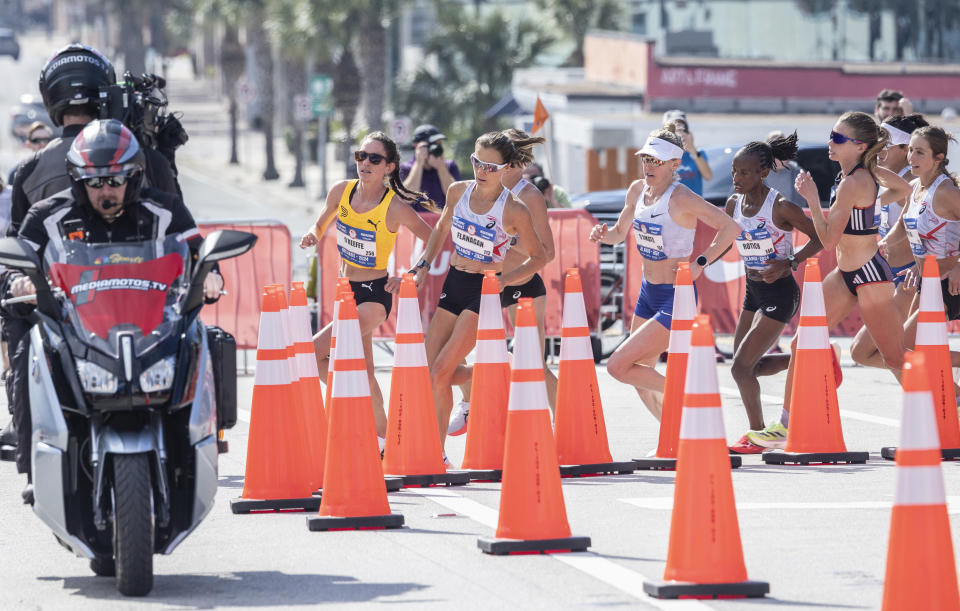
382 442
446 461
458 422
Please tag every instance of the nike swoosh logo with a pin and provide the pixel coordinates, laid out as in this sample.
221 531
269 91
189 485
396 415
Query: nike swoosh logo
656 215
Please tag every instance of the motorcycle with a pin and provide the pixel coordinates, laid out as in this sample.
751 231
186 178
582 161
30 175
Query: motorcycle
122 397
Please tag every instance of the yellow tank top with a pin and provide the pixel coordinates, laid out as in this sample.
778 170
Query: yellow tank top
363 239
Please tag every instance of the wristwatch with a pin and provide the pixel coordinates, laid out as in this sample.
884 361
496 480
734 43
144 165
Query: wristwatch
794 263
702 261
422 264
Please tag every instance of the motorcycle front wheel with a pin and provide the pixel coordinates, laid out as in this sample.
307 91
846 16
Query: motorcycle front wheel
133 523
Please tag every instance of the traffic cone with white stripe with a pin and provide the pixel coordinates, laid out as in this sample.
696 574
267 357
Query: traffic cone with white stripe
533 517
412 448
354 492
275 476
579 427
308 382
343 287
487 425
932 341
815 434
705 557
920 566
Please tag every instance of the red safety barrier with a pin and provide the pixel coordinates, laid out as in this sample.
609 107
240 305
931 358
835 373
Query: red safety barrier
573 249
269 262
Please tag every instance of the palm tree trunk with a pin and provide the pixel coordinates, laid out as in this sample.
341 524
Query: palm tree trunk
370 48
264 55
234 159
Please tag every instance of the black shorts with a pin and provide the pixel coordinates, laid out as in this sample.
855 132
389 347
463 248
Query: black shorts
461 291
532 288
373 291
873 271
951 303
778 300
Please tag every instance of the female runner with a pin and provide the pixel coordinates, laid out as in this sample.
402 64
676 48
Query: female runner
663 215
369 212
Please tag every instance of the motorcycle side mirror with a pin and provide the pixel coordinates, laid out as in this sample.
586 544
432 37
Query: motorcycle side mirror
15 253
225 244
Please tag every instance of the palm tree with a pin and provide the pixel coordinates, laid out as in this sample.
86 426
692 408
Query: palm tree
263 52
232 63
579 16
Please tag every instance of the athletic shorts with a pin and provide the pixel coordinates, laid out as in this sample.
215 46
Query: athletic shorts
873 271
461 291
897 276
778 300
374 291
656 301
532 288
951 303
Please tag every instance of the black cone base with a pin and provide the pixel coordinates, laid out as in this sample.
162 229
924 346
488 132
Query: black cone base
684 589
8 453
782 457
394 483
670 464
606 468
503 547
890 453
485 475
322 523
242 505
449 478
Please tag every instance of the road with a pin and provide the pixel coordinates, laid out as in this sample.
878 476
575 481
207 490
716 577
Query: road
818 535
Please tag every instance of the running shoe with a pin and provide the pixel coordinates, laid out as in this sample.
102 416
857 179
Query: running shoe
837 372
458 422
446 461
744 446
772 437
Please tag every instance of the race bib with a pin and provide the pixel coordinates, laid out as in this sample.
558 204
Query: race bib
756 247
914 236
358 246
472 241
649 240
884 224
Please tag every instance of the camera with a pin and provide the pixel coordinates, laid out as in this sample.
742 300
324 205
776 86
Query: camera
436 149
541 183
140 103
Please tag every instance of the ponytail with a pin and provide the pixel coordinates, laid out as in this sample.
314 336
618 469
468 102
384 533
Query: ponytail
394 181
523 144
781 148
866 130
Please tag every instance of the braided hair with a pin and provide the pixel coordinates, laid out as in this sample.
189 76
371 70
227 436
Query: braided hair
776 148
394 181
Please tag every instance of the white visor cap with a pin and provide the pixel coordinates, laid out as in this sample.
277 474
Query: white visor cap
661 149
897 136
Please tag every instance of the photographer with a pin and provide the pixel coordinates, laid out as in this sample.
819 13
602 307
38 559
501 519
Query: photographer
555 195
429 172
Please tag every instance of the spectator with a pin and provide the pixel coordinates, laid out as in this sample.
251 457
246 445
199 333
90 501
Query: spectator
39 135
891 103
694 168
783 174
555 195
429 172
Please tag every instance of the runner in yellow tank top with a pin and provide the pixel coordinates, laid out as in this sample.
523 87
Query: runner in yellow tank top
368 212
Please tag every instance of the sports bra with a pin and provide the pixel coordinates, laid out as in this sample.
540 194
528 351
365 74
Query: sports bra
863 220
658 236
760 239
480 237
363 239
929 233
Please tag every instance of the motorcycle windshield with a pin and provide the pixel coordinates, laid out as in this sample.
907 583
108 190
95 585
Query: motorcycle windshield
127 286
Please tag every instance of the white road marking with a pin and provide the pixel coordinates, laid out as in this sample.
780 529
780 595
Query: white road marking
665 503
611 573
845 413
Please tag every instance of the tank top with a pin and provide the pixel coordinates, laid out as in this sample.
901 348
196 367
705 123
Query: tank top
760 239
889 213
480 237
363 239
520 186
863 220
929 233
658 236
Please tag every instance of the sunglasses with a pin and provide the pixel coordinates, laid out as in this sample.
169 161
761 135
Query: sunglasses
838 138
40 140
486 166
97 182
375 158
650 159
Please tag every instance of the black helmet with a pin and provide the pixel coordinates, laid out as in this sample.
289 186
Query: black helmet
74 76
106 148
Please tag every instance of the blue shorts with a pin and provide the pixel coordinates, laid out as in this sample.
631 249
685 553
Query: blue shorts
897 277
656 301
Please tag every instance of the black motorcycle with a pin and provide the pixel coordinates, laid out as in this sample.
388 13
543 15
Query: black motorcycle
122 396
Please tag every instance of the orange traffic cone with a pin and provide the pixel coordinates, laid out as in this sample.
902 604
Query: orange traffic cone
487 425
579 428
533 517
275 478
308 383
815 434
354 493
705 558
343 287
920 568
932 341
412 448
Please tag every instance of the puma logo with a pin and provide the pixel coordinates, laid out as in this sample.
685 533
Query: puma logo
375 225
367 285
343 211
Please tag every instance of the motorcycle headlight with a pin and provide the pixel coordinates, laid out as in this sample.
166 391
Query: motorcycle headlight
158 376
95 379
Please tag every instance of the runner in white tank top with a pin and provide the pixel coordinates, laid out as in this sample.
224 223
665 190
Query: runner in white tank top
927 231
663 217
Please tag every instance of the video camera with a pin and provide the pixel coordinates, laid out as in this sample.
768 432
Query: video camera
140 103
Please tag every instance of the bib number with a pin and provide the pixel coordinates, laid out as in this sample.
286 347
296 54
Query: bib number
472 241
649 239
756 248
357 246
916 245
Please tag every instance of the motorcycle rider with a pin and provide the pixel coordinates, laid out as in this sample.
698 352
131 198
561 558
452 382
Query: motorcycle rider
104 203
69 84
